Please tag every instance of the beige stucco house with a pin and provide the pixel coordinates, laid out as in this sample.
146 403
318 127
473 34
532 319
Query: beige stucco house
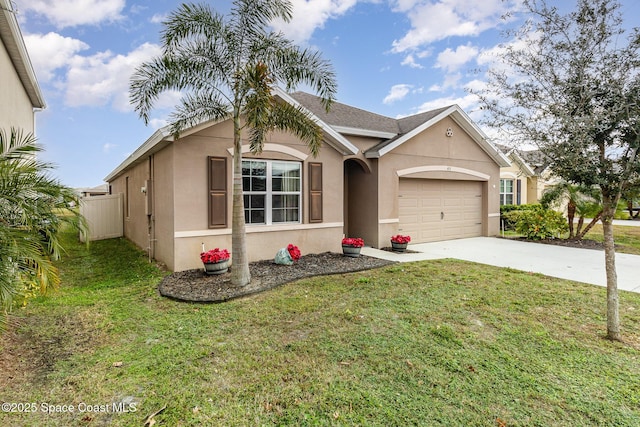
433 176
525 179
20 95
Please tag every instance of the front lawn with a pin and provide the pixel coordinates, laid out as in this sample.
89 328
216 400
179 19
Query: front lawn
627 237
444 342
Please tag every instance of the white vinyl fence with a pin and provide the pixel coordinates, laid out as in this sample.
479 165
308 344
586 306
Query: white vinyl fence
104 215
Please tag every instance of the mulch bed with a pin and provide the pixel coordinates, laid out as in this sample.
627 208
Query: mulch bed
196 286
582 244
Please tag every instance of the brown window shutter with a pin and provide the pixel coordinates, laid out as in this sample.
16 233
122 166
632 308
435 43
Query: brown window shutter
315 192
217 192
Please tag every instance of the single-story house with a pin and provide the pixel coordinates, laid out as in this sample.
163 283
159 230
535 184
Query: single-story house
525 179
433 176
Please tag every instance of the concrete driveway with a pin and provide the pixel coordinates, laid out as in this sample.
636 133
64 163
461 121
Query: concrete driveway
581 265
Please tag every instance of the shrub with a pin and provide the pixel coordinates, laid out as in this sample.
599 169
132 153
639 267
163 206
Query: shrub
509 214
540 224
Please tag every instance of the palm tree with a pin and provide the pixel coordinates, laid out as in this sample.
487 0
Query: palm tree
227 68
581 200
631 197
31 213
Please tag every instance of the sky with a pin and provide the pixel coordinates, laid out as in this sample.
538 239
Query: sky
391 57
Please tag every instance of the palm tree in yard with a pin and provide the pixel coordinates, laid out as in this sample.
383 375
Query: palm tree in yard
581 200
227 68
32 209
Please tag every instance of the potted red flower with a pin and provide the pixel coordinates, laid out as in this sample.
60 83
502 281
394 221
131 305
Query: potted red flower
399 242
216 261
351 246
288 255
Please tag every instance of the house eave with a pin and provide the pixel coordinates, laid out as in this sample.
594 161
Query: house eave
13 41
344 130
332 137
160 139
528 171
465 122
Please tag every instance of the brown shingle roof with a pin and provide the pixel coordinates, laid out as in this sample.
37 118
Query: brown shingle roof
347 116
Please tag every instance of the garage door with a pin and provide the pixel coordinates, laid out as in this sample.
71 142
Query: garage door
432 210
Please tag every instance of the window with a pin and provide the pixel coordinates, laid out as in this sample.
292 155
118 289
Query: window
272 191
506 191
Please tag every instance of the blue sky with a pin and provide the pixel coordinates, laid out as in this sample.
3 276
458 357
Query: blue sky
392 57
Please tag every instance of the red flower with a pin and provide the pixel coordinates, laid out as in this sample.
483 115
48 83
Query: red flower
294 252
214 255
400 239
356 242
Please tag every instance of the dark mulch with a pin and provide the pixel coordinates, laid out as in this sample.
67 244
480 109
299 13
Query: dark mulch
196 286
582 244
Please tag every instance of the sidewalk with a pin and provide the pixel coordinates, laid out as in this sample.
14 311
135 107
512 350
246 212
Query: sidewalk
581 265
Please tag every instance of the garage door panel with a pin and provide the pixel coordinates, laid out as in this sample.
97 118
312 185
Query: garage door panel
422 203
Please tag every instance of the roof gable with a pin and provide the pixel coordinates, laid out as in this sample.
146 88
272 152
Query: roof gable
394 132
531 162
420 122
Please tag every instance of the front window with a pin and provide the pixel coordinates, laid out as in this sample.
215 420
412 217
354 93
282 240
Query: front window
272 191
506 191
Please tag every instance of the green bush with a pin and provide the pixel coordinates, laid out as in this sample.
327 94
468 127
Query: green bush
509 214
540 224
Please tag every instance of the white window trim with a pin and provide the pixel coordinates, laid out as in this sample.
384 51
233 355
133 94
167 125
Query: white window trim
268 199
504 194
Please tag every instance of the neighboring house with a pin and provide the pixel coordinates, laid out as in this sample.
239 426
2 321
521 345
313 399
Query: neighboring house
524 181
433 176
100 190
20 95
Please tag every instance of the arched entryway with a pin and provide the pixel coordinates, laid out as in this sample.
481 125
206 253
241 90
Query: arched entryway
360 201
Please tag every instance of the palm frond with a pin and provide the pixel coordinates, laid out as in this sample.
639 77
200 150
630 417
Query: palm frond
17 144
197 108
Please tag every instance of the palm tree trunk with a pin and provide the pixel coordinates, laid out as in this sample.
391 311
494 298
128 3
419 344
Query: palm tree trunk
571 213
613 318
594 221
240 275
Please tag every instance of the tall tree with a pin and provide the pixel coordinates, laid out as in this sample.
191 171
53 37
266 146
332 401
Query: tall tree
569 83
227 68
33 206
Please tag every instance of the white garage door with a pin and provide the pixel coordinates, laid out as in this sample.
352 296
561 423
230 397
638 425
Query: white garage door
432 210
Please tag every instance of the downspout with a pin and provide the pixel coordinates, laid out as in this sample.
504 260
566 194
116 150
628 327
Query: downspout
150 205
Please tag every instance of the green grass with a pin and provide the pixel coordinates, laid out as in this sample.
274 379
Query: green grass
627 238
432 343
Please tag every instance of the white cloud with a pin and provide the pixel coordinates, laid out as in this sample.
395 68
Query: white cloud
309 15
467 103
50 52
452 60
156 124
70 13
108 147
158 18
103 78
437 20
409 61
397 93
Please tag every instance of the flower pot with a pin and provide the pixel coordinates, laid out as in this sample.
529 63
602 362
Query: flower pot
216 267
399 247
351 251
